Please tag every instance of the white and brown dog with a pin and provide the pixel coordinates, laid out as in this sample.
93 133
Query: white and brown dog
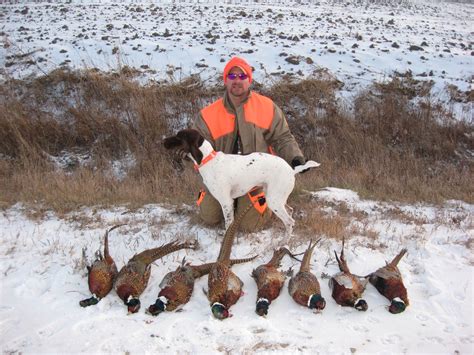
228 176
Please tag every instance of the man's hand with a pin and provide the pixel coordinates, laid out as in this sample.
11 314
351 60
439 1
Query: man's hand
299 161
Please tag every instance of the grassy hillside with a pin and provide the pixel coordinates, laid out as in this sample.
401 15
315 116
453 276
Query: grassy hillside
79 138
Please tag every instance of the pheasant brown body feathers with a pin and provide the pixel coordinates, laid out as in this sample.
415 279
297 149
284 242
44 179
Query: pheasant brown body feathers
102 274
225 287
269 281
388 281
347 289
304 286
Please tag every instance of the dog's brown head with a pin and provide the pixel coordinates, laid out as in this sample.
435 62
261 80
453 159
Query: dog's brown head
188 140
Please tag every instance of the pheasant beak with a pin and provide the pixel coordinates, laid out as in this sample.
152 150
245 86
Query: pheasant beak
132 311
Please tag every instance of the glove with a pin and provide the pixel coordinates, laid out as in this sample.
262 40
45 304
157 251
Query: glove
299 161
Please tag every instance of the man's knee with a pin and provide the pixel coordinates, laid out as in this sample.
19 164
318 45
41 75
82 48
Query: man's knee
210 210
256 218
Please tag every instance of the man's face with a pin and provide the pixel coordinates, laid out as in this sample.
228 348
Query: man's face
238 88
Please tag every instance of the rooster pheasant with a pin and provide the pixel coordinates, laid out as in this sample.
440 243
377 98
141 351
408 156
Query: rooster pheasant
177 286
388 281
133 277
225 287
304 286
101 274
269 281
347 289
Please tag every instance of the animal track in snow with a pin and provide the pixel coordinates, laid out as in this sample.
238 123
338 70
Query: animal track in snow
391 339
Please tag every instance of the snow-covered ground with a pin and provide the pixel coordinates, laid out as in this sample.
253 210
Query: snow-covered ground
358 41
43 278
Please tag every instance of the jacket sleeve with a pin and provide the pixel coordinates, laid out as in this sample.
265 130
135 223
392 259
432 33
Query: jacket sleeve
201 126
280 138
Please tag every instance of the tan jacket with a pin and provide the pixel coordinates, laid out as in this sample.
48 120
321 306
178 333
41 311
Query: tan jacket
272 136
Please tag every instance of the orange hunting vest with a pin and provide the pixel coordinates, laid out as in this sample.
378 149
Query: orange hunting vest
257 110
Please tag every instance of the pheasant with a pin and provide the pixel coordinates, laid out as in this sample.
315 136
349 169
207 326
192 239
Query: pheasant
101 274
269 281
388 281
304 286
177 286
347 289
133 277
225 287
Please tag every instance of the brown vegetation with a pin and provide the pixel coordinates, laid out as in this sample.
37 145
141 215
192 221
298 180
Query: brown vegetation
386 148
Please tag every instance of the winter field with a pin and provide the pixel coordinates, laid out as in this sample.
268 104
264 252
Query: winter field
357 41
43 272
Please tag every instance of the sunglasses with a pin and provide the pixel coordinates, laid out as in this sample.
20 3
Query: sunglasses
233 76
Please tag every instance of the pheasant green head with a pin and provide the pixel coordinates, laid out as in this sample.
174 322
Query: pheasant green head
219 311
397 306
262 307
157 308
89 301
133 305
361 305
317 302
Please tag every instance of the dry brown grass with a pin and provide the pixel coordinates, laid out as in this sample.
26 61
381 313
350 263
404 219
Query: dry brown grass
315 223
315 219
388 148
393 149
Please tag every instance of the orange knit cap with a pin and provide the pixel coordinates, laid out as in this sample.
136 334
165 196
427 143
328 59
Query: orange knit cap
238 62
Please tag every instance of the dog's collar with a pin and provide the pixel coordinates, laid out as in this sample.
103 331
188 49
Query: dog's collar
205 160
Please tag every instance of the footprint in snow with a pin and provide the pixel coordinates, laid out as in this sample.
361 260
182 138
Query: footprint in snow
373 320
391 339
422 317
436 340
360 328
50 329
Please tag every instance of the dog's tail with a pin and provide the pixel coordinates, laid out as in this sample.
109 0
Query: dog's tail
309 164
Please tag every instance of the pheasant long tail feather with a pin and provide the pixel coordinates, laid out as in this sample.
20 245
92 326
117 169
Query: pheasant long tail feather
397 259
341 261
277 256
204 269
243 260
226 246
305 264
106 241
150 255
201 270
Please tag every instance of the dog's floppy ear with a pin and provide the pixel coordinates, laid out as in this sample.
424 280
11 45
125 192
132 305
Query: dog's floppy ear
197 142
194 140
172 142
196 153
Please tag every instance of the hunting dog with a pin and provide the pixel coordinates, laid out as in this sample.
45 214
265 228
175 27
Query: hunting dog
228 176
